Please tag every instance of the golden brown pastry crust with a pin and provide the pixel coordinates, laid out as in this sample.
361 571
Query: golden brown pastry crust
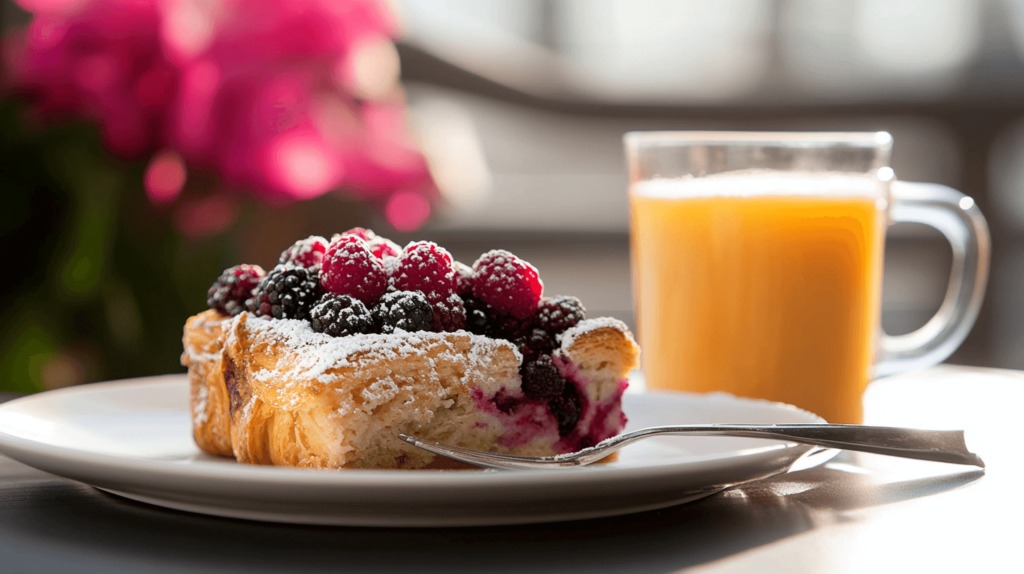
208 399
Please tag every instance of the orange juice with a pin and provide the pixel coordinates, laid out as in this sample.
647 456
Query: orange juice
761 285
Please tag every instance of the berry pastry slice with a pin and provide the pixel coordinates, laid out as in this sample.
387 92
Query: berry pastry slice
468 356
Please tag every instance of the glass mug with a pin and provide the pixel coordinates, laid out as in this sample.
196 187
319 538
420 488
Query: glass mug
757 264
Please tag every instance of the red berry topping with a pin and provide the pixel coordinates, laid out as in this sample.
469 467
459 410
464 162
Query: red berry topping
350 269
426 267
383 247
364 234
379 246
230 291
307 252
507 283
463 279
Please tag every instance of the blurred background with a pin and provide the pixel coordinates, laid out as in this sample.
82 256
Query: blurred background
132 171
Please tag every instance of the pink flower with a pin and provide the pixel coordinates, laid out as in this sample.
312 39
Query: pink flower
289 99
100 61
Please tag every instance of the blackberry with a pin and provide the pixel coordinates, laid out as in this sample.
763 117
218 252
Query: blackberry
477 315
230 291
449 315
541 379
534 343
406 310
287 292
482 319
508 327
340 315
566 409
556 314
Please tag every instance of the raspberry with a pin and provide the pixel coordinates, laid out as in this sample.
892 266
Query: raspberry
450 315
364 234
406 310
556 314
229 292
340 315
379 246
541 379
534 343
350 269
383 247
306 252
463 279
425 267
287 292
507 283
566 409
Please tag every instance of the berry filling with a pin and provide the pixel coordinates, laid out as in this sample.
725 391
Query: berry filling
572 418
541 379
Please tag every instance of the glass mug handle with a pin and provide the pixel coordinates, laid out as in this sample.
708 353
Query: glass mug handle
959 219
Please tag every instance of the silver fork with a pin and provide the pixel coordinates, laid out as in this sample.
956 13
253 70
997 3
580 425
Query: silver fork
940 446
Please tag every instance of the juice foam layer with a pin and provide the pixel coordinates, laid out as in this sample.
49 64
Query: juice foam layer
749 183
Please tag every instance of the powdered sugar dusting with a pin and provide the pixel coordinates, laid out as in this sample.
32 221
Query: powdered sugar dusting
197 357
509 284
329 353
587 325
349 268
200 416
305 252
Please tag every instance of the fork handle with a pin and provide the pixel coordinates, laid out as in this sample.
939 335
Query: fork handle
939 446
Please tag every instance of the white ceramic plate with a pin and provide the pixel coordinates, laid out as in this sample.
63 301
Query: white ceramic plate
133 438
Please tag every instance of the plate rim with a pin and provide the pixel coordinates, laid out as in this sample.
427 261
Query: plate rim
252 492
357 477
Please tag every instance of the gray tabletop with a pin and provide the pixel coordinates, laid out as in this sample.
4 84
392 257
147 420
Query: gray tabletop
857 513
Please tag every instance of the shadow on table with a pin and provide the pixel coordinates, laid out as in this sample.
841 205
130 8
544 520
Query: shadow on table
76 525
